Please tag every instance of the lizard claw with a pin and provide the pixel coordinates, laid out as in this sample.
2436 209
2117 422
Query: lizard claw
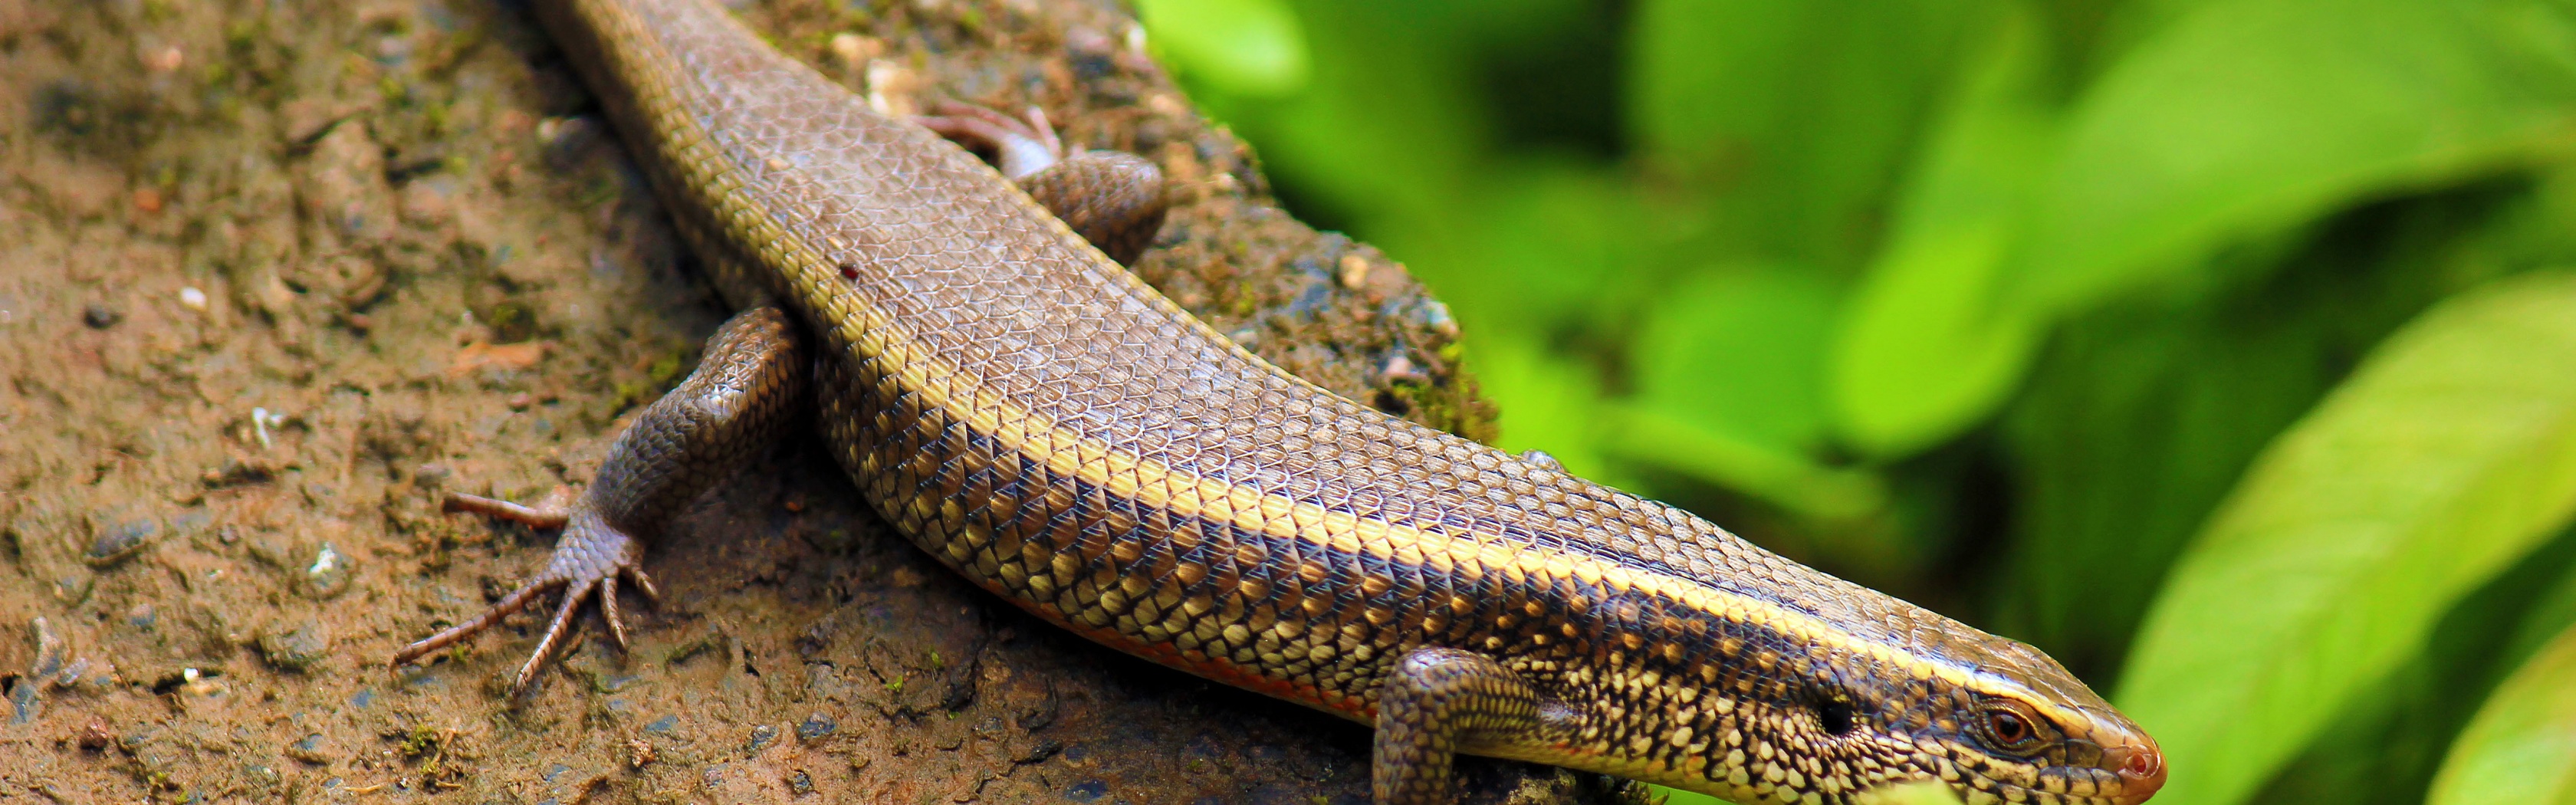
588 560
608 611
644 584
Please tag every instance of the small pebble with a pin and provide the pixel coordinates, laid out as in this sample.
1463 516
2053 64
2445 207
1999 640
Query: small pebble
96 736
192 299
1355 271
761 738
816 727
74 588
433 473
296 648
800 783
890 88
1040 752
100 317
118 542
1436 315
1400 369
328 575
262 775
310 750
24 704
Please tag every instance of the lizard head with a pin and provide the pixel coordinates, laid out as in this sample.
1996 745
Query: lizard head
2009 725
1770 703
2021 723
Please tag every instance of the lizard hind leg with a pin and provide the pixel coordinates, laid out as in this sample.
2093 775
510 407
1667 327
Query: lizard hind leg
1112 199
748 389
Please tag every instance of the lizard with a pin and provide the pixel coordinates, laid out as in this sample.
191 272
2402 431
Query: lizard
1035 417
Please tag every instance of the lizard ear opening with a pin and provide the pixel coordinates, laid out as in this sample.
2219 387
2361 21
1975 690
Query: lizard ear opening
1835 715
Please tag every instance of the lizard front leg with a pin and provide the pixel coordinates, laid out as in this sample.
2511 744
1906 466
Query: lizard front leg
1437 703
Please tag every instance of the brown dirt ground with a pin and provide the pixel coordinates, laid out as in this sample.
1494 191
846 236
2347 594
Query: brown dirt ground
276 273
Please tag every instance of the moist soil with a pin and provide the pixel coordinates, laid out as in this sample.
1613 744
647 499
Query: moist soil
277 274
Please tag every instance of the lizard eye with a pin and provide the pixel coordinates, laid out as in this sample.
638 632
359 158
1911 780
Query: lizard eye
2010 728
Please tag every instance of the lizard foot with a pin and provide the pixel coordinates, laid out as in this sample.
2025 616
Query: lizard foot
589 559
1024 147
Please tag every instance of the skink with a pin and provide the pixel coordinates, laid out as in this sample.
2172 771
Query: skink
1038 419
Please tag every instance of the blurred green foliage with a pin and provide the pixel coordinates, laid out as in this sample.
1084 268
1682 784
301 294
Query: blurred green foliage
2225 349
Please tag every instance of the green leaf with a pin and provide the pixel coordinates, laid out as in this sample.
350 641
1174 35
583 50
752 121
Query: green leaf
2521 749
1246 47
2552 612
2141 415
1803 111
2448 454
1729 373
1383 133
1923 351
2245 118
1740 349
1541 245
2385 747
